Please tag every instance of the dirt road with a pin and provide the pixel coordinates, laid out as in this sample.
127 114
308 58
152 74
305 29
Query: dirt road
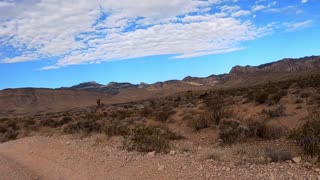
65 158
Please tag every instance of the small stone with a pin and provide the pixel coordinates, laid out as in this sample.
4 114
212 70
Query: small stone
172 153
36 178
297 159
318 178
228 169
317 170
307 165
68 143
151 154
160 168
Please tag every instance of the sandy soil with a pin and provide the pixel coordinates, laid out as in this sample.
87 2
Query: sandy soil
68 158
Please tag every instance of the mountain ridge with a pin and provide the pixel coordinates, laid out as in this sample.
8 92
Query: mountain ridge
286 65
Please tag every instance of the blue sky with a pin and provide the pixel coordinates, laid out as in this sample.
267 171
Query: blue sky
52 43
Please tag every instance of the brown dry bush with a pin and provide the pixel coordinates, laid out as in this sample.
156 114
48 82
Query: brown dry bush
273 112
308 136
230 131
266 130
115 128
146 139
9 130
83 127
278 155
217 109
198 122
163 114
261 97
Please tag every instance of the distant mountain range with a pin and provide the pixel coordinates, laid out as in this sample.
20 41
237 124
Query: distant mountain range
24 101
283 67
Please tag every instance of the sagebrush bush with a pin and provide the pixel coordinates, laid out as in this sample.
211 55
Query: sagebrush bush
217 109
115 128
83 126
163 114
273 112
278 155
146 139
9 130
229 131
266 130
199 122
308 136
261 97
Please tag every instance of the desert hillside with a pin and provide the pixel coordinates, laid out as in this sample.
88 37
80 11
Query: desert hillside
264 131
36 100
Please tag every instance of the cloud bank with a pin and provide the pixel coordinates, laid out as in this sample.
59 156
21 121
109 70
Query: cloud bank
81 32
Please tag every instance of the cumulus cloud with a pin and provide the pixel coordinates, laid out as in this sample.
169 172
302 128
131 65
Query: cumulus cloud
96 31
304 1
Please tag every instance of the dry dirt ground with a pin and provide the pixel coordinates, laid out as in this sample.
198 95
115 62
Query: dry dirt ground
65 157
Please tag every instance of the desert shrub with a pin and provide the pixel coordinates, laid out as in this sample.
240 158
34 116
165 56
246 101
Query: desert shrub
120 114
10 134
217 110
28 122
230 131
299 100
278 155
55 123
308 136
166 133
266 130
275 98
163 114
199 122
276 111
146 139
115 128
9 130
146 111
83 126
261 97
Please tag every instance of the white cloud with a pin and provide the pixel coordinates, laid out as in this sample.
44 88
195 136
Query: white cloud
258 7
41 29
261 7
298 25
240 13
304 1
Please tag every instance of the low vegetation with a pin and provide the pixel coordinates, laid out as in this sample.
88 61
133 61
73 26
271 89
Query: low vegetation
308 136
147 125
